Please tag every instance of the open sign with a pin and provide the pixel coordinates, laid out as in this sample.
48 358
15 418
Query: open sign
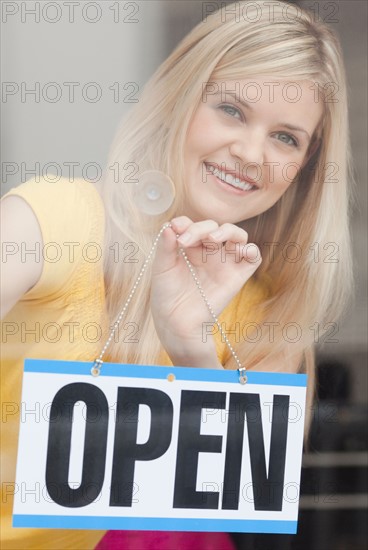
165 448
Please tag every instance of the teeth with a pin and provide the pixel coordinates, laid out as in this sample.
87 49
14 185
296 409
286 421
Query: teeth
228 178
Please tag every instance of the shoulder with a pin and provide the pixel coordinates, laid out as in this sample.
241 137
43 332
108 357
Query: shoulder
62 208
57 221
62 195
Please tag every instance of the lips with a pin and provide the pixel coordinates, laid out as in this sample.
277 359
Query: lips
232 178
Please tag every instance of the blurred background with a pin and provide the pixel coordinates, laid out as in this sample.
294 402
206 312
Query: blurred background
68 75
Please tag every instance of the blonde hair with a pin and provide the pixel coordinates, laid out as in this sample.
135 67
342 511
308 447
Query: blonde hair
288 43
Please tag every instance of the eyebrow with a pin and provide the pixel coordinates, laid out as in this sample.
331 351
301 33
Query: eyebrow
295 128
248 106
237 98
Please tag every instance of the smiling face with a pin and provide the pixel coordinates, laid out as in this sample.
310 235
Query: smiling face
245 145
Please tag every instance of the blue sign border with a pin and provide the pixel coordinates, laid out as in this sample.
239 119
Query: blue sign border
156 524
161 372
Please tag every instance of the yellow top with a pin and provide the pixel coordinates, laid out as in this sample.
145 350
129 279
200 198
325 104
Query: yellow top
63 317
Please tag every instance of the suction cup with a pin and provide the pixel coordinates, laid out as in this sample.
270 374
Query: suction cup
154 193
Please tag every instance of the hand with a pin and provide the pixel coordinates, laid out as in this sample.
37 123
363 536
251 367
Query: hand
178 309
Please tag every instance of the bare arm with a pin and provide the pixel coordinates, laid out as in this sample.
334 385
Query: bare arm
20 231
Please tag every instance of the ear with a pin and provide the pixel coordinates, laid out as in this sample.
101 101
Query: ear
313 148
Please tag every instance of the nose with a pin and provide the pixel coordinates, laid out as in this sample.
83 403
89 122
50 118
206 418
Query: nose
248 147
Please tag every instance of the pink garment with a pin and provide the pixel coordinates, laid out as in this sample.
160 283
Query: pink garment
164 540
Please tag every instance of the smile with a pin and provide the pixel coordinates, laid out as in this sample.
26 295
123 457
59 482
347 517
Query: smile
229 179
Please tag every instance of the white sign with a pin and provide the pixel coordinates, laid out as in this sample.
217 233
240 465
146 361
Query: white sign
158 448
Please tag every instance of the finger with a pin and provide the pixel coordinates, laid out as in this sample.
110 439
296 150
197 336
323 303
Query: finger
252 254
166 252
232 234
229 232
181 224
197 232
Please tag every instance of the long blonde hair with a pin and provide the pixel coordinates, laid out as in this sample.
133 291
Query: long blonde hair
272 39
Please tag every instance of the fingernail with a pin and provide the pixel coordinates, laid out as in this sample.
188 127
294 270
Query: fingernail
184 238
216 234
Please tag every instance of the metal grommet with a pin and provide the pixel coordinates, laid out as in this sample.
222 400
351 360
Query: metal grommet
96 369
242 376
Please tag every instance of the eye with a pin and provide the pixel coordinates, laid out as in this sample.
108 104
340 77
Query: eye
287 139
231 110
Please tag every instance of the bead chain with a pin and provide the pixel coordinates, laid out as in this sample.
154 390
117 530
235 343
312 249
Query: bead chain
95 371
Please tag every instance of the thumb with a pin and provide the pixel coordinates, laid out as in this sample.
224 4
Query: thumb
166 252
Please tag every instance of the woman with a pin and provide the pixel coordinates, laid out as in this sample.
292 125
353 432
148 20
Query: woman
248 117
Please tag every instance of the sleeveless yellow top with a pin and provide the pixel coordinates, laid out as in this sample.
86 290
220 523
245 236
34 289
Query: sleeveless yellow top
62 317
